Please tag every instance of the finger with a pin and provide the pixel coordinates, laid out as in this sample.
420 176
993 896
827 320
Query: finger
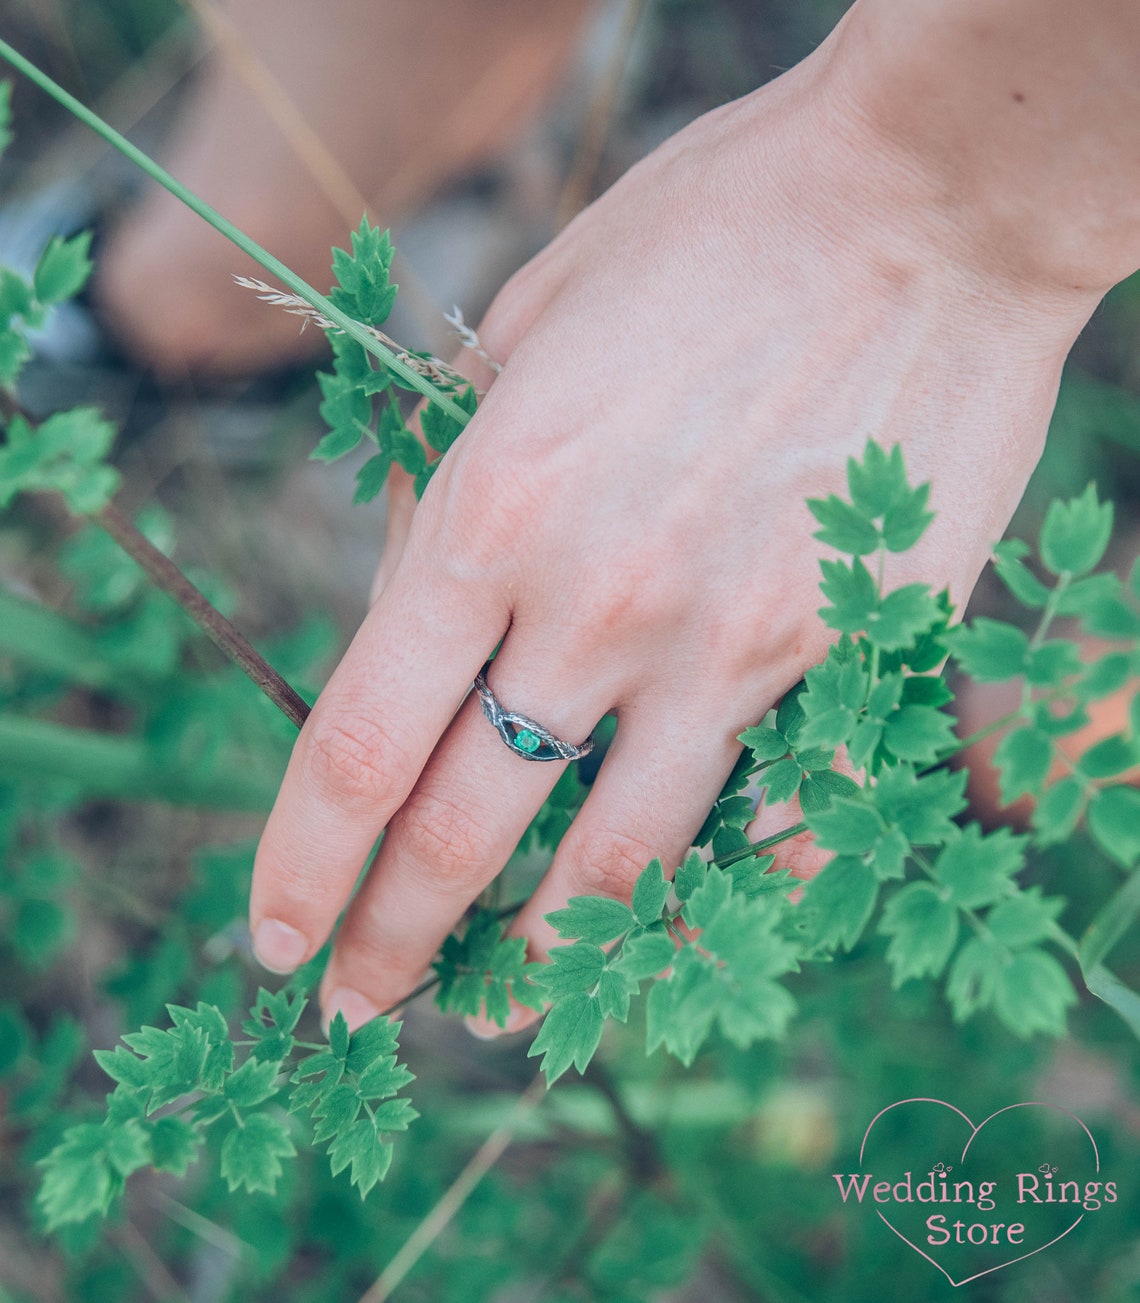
451 837
661 777
363 748
401 506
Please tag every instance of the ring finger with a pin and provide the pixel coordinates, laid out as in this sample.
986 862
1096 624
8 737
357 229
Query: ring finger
452 836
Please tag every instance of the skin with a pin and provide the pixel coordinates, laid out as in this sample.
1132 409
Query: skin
836 256
403 94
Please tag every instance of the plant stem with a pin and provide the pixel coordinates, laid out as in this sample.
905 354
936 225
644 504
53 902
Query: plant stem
167 576
273 265
425 986
766 843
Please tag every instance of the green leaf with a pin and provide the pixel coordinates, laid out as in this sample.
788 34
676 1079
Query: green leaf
1024 918
906 521
194 1054
1023 757
923 808
1106 675
63 268
363 290
480 971
818 789
63 453
253 1083
885 696
127 1146
919 733
688 878
765 743
923 929
1058 811
371 478
1110 756
974 976
902 616
977 870
337 443
569 1034
77 1182
571 969
781 782
877 482
644 955
834 693
613 995
725 976
649 892
596 919
845 528
1017 577
1052 662
338 1036
1076 533
852 593
174 1145
15 351
838 902
1031 994
709 898
1114 821
847 825
989 650
440 429
252 1152
361 1149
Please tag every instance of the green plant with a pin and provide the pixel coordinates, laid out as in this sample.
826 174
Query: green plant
722 948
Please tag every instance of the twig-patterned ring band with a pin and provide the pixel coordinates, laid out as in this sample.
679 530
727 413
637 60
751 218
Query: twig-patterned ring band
523 735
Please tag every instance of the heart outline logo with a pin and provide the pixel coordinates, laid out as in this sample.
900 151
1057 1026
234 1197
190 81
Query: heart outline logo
974 1130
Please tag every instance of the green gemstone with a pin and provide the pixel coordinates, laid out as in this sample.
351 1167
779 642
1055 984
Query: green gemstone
527 741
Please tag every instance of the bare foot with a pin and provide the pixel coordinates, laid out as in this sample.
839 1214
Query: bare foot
405 94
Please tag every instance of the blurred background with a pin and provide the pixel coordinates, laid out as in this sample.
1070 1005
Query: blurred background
125 870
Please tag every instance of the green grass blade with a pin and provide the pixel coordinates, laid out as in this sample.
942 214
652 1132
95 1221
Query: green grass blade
271 264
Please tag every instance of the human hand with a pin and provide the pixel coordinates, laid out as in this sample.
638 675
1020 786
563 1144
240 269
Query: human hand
693 357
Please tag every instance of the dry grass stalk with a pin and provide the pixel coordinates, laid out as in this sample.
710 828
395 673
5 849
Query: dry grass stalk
431 367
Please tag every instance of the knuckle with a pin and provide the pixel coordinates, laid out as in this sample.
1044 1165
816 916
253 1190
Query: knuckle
607 864
354 761
441 836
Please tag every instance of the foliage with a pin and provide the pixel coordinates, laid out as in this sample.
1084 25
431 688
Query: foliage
726 952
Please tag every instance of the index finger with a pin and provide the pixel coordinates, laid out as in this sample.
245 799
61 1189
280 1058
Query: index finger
362 749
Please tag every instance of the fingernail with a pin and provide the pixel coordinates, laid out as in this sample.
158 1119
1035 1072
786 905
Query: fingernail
486 1030
482 1028
278 947
356 1008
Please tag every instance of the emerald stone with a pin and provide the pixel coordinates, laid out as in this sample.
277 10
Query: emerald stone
527 741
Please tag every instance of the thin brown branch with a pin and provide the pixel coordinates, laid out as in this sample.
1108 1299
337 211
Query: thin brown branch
167 576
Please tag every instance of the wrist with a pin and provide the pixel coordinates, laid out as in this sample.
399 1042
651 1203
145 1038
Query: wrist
986 104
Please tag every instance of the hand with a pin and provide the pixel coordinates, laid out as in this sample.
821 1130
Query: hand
693 357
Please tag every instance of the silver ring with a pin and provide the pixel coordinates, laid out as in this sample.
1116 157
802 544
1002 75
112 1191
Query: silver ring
525 736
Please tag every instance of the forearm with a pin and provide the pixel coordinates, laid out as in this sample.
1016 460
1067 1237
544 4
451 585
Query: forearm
1022 117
